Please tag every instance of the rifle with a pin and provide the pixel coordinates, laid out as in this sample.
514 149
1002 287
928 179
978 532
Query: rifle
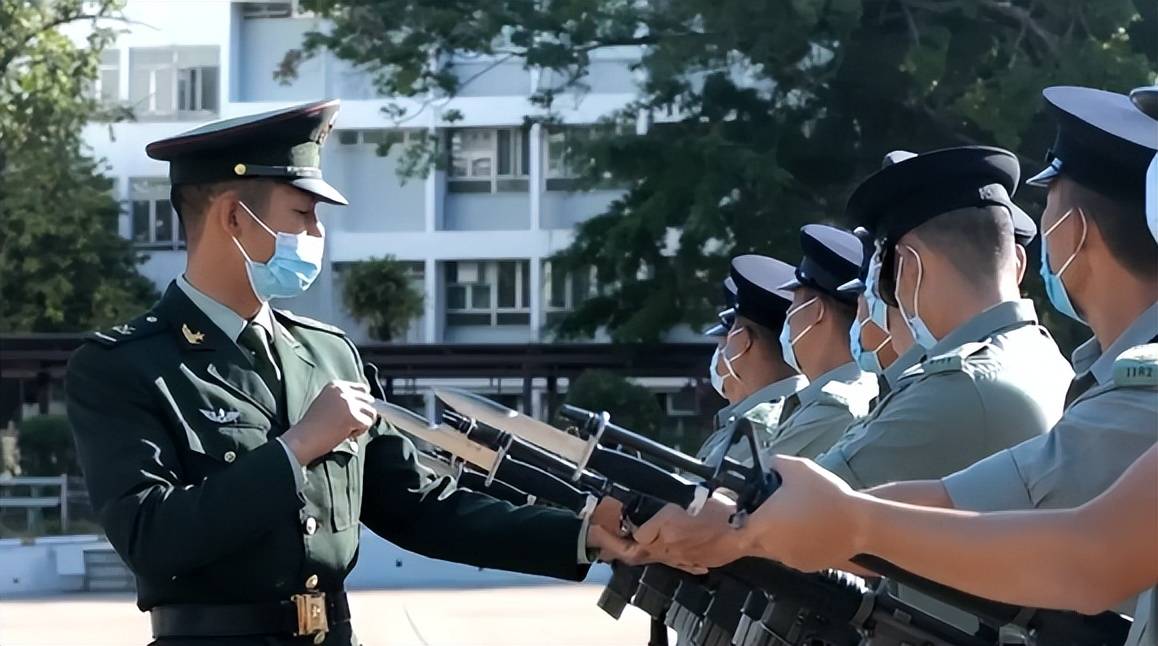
877 616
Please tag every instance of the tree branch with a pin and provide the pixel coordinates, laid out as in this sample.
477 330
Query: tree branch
1023 17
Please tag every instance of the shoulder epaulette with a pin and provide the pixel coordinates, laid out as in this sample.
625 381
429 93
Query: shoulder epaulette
953 360
766 414
143 326
857 396
303 321
1137 366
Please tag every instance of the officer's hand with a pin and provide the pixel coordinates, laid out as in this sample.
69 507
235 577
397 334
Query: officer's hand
343 409
706 539
810 523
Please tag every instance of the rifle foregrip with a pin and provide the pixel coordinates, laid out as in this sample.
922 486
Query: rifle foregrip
643 477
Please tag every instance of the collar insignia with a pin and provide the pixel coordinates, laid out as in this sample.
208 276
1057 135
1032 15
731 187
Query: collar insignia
194 338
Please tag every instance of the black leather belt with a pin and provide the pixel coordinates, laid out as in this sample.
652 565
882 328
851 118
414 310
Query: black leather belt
302 615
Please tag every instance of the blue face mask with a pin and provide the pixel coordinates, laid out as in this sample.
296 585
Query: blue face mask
787 342
922 335
1055 289
867 360
289 272
717 378
877 309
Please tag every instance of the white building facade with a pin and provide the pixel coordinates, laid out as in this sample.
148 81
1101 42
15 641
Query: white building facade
476 235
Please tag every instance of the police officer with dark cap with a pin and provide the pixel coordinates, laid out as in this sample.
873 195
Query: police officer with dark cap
814 341
231 450
757 380
719 333
950 265
1101 268
880 342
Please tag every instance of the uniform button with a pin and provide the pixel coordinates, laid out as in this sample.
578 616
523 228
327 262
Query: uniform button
230 456
312 582
311 526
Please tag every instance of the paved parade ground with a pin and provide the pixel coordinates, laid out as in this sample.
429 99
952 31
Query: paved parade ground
531 616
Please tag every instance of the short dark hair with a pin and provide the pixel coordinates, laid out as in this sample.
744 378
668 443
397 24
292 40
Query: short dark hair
768 339
978 241
1122 223
191 200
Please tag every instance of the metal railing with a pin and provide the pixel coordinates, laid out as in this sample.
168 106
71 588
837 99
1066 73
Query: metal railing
41 493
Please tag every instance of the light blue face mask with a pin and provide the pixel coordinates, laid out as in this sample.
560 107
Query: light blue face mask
921 333
1055 289
717 378
289 272
787 342
867 360
877 309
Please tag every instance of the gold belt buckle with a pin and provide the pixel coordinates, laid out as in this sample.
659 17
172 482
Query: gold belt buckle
312 618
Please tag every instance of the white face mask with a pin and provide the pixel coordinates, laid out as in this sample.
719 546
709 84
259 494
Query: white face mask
788 342
728 360
717 378
921 333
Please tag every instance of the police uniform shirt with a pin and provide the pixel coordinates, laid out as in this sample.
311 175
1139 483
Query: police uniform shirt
772 400
1101 434
827 407
994 382
914 355
1144 631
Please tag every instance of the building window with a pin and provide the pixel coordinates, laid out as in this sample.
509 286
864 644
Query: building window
491 293
563 168
154 222
489 161
106 87
564 291
174 82
681 403
378 137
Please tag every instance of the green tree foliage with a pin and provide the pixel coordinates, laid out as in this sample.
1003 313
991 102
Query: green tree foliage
46 447
62 265
631 406
766 114
379 292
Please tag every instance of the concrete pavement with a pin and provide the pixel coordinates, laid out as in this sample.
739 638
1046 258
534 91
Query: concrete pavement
558 614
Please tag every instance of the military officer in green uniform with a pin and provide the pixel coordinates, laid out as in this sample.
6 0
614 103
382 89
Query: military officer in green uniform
814 340
950 266
231 450
753 368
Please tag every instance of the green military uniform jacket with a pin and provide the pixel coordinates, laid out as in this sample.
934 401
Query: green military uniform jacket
772 399
828 405
175 434
996 380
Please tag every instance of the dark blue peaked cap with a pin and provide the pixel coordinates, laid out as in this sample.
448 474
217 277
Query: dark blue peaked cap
283 144
728 315
759 296
856 286
1103 142
832 257
915 189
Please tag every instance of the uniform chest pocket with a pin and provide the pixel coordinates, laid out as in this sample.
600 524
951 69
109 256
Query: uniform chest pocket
343 469
219 434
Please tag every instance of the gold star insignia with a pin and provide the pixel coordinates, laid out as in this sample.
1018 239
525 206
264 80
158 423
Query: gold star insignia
192 337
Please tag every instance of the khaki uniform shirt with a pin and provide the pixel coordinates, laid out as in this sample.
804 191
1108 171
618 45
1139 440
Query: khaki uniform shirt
1101 433
777 396
828 405
994 382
